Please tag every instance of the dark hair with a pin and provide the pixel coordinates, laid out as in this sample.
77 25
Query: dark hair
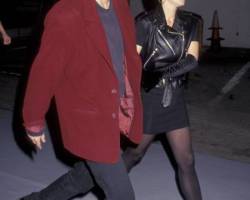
150 4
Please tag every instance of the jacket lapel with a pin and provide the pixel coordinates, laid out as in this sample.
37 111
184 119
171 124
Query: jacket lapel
96 31
94 28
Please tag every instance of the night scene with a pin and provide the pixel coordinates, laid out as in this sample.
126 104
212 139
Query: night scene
124 100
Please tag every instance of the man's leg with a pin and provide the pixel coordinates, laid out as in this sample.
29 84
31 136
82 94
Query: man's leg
113 179
77 181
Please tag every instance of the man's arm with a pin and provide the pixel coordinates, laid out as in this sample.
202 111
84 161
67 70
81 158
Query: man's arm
44 79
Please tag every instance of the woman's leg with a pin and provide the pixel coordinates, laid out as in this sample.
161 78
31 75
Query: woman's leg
133 156
181 146
113 179
77 181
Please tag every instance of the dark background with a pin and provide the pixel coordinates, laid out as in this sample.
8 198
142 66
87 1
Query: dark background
23 13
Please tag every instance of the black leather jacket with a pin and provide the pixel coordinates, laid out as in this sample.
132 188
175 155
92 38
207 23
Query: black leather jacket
164 45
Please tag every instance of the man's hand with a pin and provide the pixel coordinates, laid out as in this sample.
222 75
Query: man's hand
37 140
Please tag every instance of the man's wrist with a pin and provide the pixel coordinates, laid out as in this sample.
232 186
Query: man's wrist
34 134
35 131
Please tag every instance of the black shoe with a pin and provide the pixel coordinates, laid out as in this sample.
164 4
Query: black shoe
76 181
32 196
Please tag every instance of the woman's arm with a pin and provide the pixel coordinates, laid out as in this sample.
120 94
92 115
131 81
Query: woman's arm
186 64
5 36
194 49
2 30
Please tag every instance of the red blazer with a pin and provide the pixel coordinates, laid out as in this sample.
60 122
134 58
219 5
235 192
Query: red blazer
74 65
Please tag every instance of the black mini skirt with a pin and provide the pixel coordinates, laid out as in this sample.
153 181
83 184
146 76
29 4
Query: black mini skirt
158 119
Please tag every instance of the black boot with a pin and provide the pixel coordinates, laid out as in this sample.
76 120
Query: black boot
32 196
76 181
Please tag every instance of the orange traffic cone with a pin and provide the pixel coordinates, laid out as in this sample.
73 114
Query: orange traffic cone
215 27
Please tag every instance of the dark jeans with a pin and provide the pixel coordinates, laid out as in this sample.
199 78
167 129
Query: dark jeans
112 178
77 181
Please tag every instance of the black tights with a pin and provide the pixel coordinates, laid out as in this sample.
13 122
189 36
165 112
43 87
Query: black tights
180 143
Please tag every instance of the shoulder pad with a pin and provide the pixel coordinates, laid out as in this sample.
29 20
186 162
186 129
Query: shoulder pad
190 15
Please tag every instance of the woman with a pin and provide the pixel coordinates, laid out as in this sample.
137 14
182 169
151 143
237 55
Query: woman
6 38
167 43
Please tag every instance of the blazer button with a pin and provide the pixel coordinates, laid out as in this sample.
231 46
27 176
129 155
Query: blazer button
113 115
113 91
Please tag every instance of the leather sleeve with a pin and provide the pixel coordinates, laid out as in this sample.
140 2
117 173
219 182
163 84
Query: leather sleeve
142 28
185 65
196 35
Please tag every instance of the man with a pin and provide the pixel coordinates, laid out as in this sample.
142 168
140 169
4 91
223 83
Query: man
88 62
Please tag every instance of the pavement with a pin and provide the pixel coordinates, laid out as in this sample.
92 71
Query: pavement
220 132
218 102
153 179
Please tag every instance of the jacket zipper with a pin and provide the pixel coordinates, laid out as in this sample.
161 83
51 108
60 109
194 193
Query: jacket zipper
167 42
169 45
150 57
183 41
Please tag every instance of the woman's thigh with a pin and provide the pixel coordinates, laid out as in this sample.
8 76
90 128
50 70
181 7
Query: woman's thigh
181 145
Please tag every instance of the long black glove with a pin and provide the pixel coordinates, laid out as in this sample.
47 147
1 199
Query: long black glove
152 77
183 66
